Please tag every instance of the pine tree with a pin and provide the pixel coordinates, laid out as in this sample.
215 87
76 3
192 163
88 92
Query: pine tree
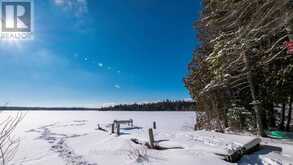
241 58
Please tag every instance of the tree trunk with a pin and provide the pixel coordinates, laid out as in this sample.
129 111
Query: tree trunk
256 104
281 126
218 114
289 118
271 115
257 109
264 119
289 28
289 20
225 118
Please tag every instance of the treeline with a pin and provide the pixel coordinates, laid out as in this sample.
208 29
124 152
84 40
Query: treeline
241 76
15 108
157 106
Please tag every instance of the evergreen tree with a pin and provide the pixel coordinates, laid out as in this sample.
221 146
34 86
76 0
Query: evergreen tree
242 60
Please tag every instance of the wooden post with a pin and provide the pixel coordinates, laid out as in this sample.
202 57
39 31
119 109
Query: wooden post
131 122
113 127
151 136
154 125
118 129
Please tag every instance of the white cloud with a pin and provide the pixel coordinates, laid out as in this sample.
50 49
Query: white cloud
79 11
78 7
117 86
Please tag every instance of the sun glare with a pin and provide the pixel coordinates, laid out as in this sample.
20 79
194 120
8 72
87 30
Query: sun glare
12 43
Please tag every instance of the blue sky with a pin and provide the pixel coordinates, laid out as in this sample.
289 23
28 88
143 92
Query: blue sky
100 52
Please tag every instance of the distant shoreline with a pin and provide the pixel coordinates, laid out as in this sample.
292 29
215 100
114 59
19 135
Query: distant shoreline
12 108
167 105
79 109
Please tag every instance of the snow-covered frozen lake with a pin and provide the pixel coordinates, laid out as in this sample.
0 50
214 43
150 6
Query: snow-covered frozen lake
72 138
94 146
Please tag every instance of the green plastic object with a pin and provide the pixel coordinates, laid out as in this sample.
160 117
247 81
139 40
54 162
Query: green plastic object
278 135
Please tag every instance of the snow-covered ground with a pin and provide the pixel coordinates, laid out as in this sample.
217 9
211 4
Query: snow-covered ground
72 138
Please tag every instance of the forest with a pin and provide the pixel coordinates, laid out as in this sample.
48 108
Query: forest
241 75
166 105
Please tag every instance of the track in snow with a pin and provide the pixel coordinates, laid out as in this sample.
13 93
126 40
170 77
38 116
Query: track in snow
58 143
